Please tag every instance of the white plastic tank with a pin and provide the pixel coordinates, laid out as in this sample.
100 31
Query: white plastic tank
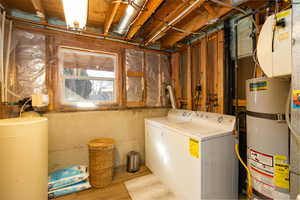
268 137
24 158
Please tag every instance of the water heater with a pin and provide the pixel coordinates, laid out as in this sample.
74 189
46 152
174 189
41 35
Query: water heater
268 137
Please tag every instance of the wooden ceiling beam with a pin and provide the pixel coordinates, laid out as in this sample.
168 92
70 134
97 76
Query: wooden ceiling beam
109 18
194 24
150 8
174 17
210 9
37 4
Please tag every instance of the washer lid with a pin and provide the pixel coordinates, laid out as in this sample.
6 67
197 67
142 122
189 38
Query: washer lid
200 130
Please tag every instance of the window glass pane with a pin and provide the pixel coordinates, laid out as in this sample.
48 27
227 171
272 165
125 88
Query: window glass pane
97 73
89 90
88 77
88 60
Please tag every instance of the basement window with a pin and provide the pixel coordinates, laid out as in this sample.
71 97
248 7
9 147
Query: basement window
87 78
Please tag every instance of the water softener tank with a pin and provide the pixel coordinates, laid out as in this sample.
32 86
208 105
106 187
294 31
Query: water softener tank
268 137
24 158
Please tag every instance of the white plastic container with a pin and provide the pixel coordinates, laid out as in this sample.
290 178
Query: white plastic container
24 158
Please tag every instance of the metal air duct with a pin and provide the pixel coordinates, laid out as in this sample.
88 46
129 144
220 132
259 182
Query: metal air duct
133 8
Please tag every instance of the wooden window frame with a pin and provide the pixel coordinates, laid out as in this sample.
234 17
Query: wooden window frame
98 105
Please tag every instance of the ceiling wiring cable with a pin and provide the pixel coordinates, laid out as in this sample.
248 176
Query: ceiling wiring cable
177 29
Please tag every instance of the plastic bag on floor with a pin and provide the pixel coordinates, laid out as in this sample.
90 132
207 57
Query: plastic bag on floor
69 189
68 176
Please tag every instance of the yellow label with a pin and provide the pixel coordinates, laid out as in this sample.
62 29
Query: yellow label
194 148
283 36
281 172
283 14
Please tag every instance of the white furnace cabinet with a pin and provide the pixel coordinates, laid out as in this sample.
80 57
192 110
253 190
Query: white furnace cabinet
193 166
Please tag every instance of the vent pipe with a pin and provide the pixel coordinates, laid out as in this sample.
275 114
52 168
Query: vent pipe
133 8
238 2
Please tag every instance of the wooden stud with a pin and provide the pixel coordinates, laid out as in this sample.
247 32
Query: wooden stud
220 72
203 61
109 19
135 74
175 77
150 8
189 79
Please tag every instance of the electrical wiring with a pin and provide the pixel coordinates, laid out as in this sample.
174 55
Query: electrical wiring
23 106
256 64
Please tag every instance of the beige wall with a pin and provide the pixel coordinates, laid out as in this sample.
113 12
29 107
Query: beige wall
70 132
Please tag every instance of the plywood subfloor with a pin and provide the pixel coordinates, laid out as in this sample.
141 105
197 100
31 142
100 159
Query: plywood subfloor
116 191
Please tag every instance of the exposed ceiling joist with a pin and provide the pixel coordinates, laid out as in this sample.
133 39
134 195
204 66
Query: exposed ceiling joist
109 18
167 7
210 9
193 25
150 8
37 4
174 17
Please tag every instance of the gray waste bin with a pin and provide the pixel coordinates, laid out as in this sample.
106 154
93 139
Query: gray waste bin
133 161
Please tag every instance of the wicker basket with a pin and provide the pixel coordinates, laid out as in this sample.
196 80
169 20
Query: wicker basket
101 157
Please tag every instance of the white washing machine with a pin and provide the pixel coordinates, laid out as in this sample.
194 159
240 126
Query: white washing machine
192 153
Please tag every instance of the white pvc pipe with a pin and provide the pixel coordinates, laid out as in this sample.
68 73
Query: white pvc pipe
172 97
174 20
7 61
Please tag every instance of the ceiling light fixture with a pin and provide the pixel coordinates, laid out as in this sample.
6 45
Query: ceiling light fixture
75 13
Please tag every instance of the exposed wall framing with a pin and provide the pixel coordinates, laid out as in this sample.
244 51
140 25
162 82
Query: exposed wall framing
54 41
201 64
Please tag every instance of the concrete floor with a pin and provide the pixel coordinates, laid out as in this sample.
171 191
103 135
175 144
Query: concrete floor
115 191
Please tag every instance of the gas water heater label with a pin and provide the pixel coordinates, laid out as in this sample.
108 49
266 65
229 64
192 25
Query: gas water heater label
194 148
257 86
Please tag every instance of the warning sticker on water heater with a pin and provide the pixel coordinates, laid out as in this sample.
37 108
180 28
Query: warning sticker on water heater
281 171
194 148
262 172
